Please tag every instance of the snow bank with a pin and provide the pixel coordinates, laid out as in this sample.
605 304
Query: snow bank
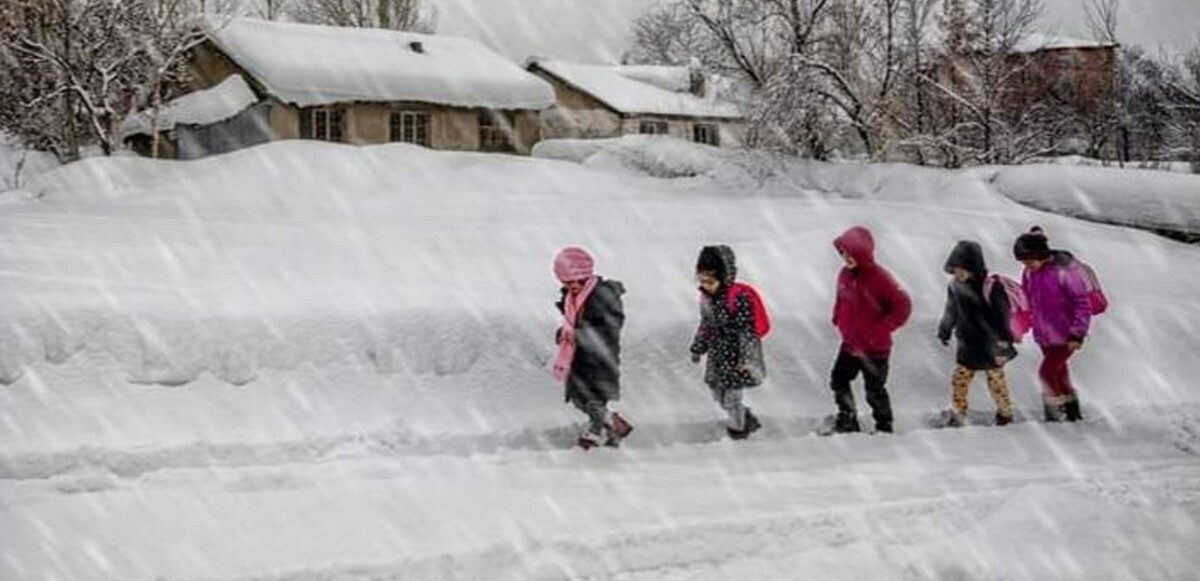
645 155
1171 166
18 164
317 65
315 361
213 105
1159 201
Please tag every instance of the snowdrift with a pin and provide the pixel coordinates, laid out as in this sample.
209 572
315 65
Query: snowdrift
313 361
1158 201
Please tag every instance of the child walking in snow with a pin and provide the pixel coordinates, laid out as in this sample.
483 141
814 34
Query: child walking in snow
1059 295
729 336
870 306
977 313
589 346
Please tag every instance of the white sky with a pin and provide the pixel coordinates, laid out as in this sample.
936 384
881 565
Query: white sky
599 30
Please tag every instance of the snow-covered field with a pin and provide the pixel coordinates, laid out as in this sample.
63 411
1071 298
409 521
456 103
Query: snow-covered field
311 361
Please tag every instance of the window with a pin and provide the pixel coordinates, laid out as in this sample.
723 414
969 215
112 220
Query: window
321 123
707 133
409 127
495 129
653 128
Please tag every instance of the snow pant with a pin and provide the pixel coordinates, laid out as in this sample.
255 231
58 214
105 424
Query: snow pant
596 411
997 385
1056 375
730 400
875 372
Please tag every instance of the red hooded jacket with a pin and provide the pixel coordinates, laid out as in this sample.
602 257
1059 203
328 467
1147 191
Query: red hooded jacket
870 304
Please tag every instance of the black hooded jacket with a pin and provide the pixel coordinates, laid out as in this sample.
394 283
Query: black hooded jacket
596 369
981 325
727 336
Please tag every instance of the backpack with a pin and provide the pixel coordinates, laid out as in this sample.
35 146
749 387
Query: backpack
1020 315
762 321
1091 285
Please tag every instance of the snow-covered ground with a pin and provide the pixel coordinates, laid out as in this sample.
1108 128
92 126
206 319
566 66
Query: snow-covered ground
312 361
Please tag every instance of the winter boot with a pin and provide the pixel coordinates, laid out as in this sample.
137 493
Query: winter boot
752 423
953 419
617 431
1072 412
588 440
845 424
884 427
1003 420
1053 412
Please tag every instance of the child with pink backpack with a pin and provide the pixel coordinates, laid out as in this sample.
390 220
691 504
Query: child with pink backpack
986 313
1064 293
733 321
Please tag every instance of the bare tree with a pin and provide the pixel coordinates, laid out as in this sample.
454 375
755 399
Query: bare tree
988 112
174 30
1102 19
80 59
389 14
670 35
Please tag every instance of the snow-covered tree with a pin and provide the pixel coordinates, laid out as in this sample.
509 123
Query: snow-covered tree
988 111
75 64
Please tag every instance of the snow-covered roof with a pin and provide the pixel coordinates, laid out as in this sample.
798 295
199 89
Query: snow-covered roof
1036 41
211 105
675 79
637 90
311 65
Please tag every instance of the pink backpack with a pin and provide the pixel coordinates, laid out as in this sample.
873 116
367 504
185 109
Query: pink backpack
1091 285
762 321
1020 318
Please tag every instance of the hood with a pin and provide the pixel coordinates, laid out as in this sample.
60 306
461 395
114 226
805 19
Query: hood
719 260
859 244
968 255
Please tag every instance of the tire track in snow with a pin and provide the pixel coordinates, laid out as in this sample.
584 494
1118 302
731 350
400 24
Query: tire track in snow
400 442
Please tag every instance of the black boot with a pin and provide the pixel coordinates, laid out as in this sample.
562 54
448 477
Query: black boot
1052 412
845 424
1003 420
1072 412
752 423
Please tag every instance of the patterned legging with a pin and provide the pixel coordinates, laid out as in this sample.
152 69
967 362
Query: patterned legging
997 385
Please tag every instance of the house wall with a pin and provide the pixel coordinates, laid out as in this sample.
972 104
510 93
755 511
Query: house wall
1083 77
576 115
284 120
732 132
451 128
210 66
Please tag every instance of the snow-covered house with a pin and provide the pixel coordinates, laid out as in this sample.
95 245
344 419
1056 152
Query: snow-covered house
1077 72
598 101
361 86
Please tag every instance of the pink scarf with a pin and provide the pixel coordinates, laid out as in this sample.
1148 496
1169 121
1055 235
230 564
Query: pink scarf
572 306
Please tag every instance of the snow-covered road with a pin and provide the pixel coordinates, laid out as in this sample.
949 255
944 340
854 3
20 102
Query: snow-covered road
307 361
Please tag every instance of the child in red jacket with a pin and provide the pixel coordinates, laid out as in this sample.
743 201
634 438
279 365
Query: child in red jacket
870 306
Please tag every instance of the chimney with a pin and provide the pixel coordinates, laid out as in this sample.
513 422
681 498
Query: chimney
417 46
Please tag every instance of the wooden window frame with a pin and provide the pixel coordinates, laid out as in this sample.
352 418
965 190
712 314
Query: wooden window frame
323 124
410 126
713 131
654 127
495 131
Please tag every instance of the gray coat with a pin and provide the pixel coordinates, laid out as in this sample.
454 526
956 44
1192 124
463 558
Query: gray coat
728 338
